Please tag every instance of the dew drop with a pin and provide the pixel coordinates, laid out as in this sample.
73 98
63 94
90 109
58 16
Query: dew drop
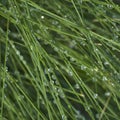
5 85
65 16
16 72
51 82
106 63
96 69
70 73
6 58
61 93
17 21
97 115
6 69
46 83
87 108
59 26
77 86
83 43
42 102
58 11
56 49
104 78
31 47
24 62
80 1
55 22
5 11
42 17
14 6
56 82
107 94
73 44
95 96
66 52
64 117
113 84
38 31
72 59
77 112
46 71
83 67
109 6
20 97
5 96
18 52
94 79
53 77
96 50
79 116
50 70
21 58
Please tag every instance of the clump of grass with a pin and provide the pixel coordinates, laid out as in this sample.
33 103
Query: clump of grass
59 60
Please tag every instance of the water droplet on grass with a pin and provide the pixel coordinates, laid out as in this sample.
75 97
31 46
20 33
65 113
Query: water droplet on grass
20 97
50 70
95 96
42 17
18 52
21 58
94 79
80 1
56 82
73 44
107 94
13 46
72 59
77 86
83 67
5 85
87 108
96 69
51 82
109 6
66 52
113 84
96 50
24 62
17 21
97 115
104 78
31 47
6 69
55 22
56 49
53 77
58 11
61 93
70 73
83 43
106 63
64 117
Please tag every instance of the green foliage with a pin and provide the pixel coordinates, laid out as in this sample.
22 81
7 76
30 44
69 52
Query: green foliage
59 60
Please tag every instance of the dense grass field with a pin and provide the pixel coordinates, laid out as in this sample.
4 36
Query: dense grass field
59 60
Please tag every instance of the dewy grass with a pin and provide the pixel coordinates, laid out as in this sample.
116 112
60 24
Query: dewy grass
59 60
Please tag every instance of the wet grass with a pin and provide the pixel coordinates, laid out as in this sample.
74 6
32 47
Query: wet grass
59 60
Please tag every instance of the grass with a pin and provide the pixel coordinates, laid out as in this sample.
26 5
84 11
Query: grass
59 60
